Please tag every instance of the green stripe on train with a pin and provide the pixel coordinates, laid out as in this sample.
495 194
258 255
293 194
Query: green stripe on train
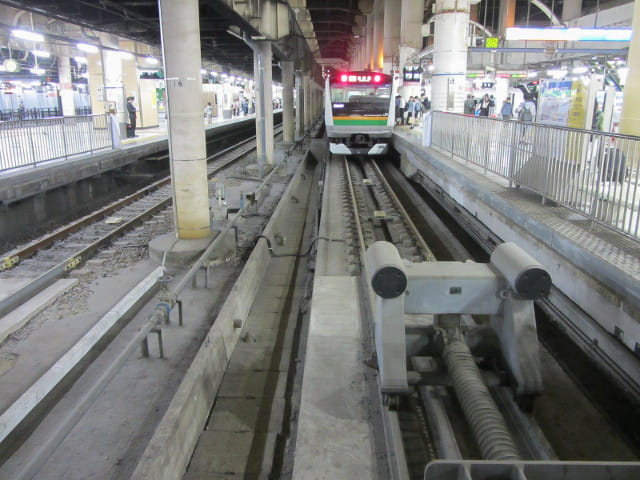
359 122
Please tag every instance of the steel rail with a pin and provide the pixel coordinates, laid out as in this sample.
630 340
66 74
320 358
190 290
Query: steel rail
12 258
158 316
427 251
393 435
49 277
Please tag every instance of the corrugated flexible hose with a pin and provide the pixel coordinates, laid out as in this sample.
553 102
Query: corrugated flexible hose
486 421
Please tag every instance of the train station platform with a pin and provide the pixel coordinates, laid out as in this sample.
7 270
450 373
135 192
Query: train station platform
40 195
595 271
23 182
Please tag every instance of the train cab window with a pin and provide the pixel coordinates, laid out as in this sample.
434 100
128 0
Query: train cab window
358 94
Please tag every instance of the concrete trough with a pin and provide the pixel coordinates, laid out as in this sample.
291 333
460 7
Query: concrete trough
170 449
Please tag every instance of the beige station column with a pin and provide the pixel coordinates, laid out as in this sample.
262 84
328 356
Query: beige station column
96 82
129 74
66 87
287 102
180 30
630 118
299 104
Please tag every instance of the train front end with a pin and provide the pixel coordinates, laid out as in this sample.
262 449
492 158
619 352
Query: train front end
359 112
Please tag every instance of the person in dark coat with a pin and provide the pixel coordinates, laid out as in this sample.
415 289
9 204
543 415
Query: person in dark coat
131 125
485 103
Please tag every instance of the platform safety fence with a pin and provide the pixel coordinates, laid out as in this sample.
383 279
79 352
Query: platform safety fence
590 172
30 142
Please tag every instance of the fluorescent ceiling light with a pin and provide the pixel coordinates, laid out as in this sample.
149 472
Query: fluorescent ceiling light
570 34
580 70
80 59
37 71
41 53
86 47
28 35
532 74
557 73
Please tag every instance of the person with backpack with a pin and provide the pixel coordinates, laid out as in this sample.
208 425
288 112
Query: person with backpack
426 104
526 110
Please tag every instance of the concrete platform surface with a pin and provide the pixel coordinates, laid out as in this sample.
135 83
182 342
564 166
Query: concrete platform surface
334 438
25 312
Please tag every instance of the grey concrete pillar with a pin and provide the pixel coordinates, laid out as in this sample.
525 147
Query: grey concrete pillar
66 87
378 35
411 23
264 102
571 9
410 29
299 104
179 23
287 102
392 11
507 15
307 102
371 20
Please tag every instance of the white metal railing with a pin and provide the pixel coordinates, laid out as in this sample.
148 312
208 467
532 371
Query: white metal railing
593 173
29 142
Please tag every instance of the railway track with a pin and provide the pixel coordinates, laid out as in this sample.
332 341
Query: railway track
70 246
428 423
121 338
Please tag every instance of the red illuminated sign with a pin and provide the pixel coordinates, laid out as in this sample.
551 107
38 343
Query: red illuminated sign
360 77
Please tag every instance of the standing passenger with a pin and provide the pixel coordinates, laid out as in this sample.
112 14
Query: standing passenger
131 125
526 110
469 105
208 111
492 106
410 110
507 109
485 103
402 107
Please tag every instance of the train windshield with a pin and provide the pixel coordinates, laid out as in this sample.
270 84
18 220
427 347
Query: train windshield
351 93
366 100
